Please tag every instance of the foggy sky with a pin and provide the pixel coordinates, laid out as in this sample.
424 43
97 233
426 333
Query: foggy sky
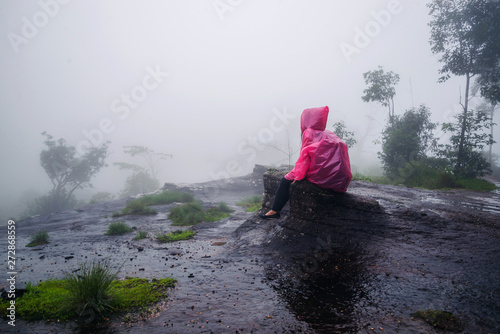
199 79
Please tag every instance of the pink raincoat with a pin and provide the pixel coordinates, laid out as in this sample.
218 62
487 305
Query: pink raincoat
323 159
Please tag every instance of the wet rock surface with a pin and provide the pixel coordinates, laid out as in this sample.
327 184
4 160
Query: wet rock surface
359 262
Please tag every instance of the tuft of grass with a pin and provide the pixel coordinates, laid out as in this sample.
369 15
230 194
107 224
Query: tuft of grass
193 213
91 288
52 299
187 214
141 235
39 238
251 204
440 319
118 228
175 236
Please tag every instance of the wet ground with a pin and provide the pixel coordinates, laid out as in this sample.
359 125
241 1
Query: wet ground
437 250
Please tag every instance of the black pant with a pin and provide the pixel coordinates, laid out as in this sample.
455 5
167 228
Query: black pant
282 195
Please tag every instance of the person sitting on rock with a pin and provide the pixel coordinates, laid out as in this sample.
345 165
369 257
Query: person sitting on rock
323 160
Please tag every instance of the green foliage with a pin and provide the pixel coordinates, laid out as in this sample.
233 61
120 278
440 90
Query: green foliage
51 299
405 140
440 319
471 162
340 130
51 202
118 228
141 235
39 238
187 214
67 171
91 288
381 88
193 213
175 236
251 204
361 177
476 184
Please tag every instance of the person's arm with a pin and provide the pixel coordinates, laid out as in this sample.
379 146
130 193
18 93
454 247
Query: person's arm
299 172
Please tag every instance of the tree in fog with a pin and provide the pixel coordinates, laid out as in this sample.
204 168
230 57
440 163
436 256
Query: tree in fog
465 33
381 88
144 176
67 172
340 129
406 140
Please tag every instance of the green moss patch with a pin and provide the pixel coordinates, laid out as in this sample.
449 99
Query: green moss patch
49 299
440 319
175 236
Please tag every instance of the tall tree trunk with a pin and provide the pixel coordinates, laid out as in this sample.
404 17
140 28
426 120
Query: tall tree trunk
492 111
460 154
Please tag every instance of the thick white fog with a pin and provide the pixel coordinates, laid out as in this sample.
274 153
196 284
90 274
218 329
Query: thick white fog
215 83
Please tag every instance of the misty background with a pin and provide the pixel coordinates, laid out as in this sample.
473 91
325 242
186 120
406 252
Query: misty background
217 84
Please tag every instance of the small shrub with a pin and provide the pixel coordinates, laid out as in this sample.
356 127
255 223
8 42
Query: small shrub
175 236
39 238
118 228
90 288
251 204
141 235
221 211
187 214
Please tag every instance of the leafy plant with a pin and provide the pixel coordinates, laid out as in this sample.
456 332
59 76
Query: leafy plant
39 238
175 236
118 228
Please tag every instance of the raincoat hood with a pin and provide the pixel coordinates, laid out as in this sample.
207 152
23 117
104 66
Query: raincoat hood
324 159
314 118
